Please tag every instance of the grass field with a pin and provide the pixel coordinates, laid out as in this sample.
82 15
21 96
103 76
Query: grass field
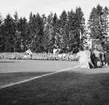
33 65
85 87
12 71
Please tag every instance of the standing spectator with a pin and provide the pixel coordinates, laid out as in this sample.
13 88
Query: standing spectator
107 58
93 59
28 54
97 58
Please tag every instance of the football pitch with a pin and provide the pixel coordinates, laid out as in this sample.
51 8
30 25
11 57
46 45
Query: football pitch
58 83
12 71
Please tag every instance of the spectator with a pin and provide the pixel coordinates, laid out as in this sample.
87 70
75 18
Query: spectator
107 58
97 58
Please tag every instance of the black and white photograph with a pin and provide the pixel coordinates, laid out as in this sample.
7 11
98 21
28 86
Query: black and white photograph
54 52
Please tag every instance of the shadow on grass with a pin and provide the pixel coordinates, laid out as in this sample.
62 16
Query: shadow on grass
66 88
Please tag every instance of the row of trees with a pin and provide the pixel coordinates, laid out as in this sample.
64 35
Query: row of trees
98 24
43 33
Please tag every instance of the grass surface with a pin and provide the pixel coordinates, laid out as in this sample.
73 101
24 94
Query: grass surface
65 88
17 70
7 78
33 65
87 87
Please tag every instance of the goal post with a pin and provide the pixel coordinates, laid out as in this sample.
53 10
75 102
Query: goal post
93 43
96 43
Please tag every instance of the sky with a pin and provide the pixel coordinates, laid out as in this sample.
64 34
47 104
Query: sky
24 7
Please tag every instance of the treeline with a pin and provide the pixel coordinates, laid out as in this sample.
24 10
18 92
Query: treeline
43 33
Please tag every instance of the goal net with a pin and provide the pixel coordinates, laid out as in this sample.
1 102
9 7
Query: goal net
96 43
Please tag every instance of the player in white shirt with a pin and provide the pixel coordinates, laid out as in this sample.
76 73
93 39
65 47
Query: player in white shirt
84 58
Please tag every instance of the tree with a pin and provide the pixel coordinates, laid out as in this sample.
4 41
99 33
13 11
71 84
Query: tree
105 26
22 35
105 17
1 35
97 23
9 33
35 30
48 32
63 30
76 24
17 33
70 30
56 31
80 22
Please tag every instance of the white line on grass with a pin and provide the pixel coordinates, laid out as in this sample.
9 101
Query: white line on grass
37 77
